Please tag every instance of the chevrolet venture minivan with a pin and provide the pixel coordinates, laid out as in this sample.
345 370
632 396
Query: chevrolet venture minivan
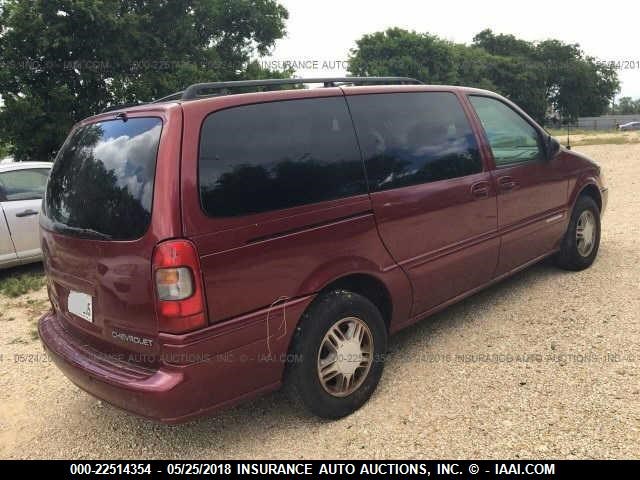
221 242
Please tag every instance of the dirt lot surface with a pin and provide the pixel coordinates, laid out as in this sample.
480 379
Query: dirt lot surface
543 365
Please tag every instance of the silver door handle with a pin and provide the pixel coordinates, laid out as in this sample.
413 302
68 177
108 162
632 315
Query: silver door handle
27 213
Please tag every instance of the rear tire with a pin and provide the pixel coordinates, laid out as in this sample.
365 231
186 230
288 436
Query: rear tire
339 350
581 241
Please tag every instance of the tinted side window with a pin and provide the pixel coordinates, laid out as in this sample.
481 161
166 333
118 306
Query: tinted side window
512 138
23 184
268 156
412 138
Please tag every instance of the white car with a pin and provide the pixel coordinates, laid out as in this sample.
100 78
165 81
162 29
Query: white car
22 186
629 126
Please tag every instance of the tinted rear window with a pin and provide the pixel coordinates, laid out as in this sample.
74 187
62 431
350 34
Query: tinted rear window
412 138
101 184
270 156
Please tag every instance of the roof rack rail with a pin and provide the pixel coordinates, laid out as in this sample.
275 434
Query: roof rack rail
173 96
121 105
194 91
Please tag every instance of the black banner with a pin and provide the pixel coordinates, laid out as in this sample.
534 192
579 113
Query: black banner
438 469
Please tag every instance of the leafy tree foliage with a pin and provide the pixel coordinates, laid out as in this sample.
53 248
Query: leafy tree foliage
577 85
63 60
399 52
626 106
543 78
4 150
503 45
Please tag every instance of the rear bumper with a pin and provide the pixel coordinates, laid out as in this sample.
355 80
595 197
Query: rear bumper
146 392
235 362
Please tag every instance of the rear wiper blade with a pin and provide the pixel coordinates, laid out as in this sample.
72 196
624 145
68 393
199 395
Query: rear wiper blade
61 227
93 233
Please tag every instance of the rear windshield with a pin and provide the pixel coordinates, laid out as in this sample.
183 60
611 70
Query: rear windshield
101 184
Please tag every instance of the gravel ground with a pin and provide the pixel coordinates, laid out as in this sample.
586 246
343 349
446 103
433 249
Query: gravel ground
544 365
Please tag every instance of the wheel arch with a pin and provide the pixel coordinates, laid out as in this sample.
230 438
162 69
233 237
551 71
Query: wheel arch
370 287
587 188
591 190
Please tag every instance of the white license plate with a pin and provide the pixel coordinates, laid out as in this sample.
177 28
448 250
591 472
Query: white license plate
80 304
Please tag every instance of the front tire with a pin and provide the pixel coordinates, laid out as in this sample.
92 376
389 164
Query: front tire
339 350
581 241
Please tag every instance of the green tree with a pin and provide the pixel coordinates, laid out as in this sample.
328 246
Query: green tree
519 80
508 66
400 52
473 67
4 150
577 85
540 77
626 106
503 45
574 84
63 60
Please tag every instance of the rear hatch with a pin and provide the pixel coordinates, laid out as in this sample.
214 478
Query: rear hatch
97 233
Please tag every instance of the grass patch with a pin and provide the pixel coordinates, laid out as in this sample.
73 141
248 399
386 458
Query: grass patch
562 132
34 304
600 140
596 137
606 141
15 282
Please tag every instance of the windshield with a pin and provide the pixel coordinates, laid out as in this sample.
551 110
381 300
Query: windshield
101 184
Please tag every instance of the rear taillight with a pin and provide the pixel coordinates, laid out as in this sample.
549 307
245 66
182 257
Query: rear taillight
179 291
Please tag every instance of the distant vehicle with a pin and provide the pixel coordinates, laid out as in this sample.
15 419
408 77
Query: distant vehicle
629 126
21 187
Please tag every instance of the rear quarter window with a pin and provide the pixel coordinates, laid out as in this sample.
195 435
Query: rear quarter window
269 156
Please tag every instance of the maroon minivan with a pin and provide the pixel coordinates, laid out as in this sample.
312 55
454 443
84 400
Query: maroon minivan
212 245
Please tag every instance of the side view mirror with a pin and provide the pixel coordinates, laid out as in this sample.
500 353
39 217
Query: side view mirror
552 147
